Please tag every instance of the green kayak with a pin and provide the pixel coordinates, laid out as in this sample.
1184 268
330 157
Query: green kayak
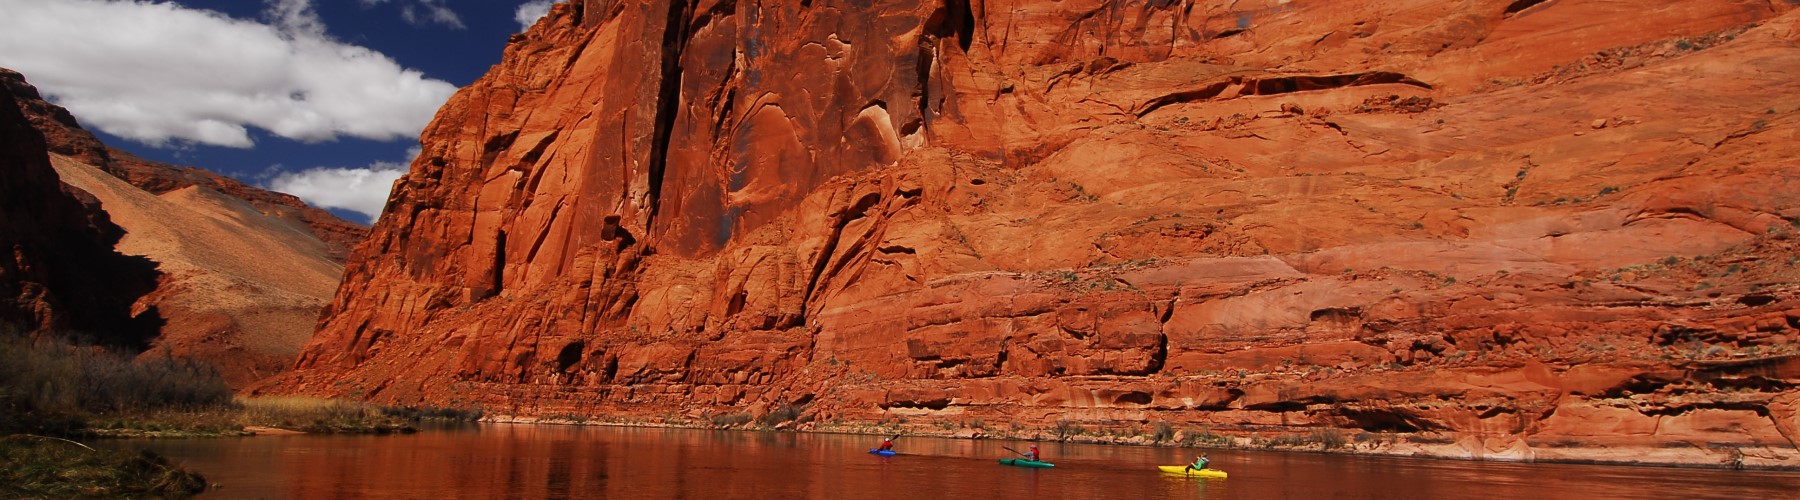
1021 462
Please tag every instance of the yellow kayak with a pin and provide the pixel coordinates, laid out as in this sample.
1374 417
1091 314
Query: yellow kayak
1183 470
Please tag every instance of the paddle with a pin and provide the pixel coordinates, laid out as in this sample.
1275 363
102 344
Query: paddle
1017 451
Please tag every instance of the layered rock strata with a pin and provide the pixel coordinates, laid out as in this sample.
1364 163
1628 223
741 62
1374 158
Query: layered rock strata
1557 230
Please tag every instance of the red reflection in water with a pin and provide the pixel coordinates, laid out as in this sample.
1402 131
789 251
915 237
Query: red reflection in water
517 461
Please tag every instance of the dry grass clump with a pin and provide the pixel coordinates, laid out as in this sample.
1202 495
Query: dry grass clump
319 415
47 386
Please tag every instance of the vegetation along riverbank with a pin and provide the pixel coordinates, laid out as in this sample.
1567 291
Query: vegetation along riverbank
54 395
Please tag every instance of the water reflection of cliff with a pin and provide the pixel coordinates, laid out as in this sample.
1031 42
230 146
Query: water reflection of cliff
518 461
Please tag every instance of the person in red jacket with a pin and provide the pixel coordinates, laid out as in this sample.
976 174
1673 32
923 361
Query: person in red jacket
1034 456
886 445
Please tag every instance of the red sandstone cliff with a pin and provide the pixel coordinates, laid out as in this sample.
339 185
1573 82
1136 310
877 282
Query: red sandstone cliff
244 272
1556 229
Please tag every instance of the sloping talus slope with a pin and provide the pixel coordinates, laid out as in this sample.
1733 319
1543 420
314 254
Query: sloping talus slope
59 272
1486 228
240 290
244 272
65 136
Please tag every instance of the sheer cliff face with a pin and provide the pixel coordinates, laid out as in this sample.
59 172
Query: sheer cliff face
1526 229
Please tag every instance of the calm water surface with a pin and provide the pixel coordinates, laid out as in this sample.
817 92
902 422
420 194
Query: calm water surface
521 461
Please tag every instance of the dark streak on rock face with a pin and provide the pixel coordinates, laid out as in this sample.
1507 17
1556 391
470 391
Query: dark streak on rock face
1075 211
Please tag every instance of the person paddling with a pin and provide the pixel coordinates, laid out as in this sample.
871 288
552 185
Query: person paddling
886 445
1033 455
1200 462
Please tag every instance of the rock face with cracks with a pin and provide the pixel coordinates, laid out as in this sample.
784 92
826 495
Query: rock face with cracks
1545 230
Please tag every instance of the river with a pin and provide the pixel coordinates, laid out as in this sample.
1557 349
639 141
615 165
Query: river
545 461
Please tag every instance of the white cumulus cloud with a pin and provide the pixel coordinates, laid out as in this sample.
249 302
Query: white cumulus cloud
363 190
529 13
160 73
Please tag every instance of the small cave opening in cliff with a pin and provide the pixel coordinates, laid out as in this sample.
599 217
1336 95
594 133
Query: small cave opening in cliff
1380 421
1636 385
1276 85
928 404
611 369
1756 300
569 356
537 150
1229 32
610 230
1133 397
497 143
736 304
1520 5
953 19
1278 407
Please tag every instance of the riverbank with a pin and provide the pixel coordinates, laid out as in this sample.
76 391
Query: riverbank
46 467
55 395
254 416
1430 445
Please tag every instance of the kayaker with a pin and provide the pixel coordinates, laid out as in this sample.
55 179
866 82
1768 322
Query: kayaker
1199 462
1034 456
886 445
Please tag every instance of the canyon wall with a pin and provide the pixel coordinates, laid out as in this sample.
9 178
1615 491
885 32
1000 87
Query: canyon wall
1534 230
59 271
237 274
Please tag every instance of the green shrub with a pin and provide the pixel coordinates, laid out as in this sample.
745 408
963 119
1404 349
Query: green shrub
1161 432
731 419
783 413
1329 438
34 467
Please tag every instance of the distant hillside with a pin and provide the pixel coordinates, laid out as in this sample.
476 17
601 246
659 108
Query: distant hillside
65 136
244 271
58 269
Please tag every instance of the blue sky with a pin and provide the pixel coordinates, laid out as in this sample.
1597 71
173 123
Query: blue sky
322 99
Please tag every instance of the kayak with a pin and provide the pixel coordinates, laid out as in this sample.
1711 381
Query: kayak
1185 471
1021 462
885 453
